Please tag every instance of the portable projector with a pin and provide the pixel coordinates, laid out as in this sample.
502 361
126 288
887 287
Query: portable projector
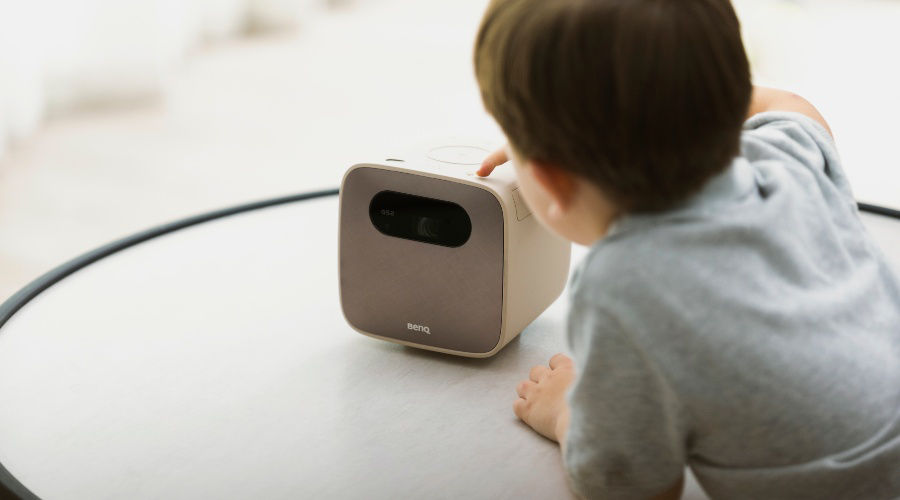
435 257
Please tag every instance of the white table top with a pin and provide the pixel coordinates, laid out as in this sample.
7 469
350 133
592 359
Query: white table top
214 362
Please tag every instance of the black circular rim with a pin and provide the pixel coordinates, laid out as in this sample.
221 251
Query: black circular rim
9 485
879 210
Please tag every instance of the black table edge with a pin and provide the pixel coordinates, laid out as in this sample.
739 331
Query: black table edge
879 210
10 487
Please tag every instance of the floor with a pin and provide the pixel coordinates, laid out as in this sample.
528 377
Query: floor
242 120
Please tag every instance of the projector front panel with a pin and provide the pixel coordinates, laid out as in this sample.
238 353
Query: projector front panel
418 292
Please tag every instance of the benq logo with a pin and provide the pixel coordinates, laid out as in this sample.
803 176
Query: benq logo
418 328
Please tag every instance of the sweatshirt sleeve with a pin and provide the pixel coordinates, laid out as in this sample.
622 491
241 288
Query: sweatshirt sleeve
794 138
626 436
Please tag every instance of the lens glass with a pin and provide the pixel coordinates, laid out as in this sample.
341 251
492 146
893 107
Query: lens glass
428 227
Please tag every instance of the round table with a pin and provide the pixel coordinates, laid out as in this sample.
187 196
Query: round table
209 359
214 362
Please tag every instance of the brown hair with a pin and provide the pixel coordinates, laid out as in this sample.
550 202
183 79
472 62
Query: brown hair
646 98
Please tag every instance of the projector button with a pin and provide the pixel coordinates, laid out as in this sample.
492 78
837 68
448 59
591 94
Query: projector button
459 155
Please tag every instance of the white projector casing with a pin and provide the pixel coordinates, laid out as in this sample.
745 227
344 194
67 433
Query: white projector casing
468 300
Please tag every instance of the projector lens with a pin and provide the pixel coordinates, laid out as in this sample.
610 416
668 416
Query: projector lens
428 227
418 218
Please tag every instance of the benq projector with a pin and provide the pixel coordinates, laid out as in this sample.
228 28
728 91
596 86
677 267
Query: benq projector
435 257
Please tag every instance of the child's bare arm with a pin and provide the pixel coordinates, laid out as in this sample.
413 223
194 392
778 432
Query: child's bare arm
767 99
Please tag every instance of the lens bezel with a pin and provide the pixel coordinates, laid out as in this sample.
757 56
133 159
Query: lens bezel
412 217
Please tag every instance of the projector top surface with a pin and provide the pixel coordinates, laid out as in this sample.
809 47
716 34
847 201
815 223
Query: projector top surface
455 160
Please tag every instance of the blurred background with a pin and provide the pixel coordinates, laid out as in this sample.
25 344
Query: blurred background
116 116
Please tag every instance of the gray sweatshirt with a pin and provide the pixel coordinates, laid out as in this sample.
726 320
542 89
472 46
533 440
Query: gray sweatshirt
751 333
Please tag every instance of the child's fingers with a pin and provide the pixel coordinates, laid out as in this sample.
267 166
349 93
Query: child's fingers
560 360
539 373
520 408
524 388
493 161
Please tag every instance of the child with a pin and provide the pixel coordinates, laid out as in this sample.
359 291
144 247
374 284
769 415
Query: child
732 314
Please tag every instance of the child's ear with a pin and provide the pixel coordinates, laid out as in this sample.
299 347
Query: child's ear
559 184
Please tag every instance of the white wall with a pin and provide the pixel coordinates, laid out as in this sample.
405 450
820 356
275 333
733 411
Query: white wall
61 55
842 56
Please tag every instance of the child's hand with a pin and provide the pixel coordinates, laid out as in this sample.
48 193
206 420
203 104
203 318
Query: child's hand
542 403
493 161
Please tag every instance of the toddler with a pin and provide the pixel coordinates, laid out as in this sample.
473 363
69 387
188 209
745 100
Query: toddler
732 314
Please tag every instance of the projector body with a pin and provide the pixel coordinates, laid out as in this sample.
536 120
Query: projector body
433 256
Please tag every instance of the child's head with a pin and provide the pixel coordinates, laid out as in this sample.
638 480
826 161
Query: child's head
642 100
